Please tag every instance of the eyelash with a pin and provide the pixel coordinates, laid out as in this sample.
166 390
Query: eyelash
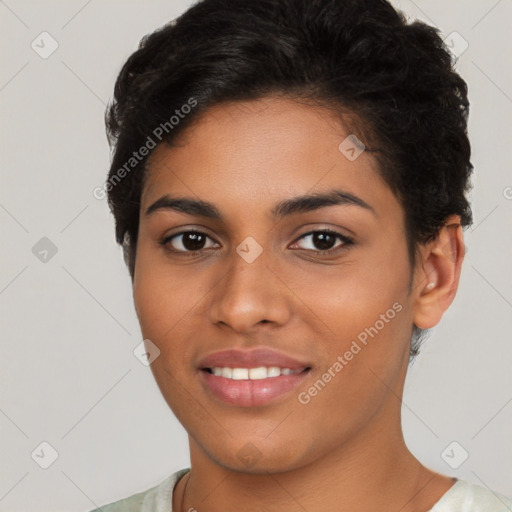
347 242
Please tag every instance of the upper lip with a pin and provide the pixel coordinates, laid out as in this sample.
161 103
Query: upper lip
254 358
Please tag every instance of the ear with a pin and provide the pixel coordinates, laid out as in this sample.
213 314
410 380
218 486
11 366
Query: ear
437 273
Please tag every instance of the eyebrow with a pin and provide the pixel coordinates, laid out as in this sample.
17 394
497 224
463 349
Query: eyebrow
300 204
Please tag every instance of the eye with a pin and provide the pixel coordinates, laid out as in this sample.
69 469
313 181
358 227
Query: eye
324 241
187 241
321 241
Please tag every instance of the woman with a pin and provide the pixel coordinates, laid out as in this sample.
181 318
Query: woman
288 183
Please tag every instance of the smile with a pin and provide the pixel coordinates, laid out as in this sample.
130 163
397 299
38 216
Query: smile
250 387
262 372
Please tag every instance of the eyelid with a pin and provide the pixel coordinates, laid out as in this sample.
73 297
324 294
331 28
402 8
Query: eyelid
346 241
166 239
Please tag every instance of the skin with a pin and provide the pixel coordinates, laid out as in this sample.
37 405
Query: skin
344 450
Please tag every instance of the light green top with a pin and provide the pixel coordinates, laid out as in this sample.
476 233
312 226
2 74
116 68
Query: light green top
461 497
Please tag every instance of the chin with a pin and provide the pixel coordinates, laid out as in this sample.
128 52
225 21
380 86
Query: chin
257 457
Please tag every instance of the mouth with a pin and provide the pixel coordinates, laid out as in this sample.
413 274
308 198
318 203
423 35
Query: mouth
251 387
249 378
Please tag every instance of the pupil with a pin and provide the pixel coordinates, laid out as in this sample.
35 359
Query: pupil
323 241
193 241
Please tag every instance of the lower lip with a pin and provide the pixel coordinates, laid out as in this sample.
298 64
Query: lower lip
251 393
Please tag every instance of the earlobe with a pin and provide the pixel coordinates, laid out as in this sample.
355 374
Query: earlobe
437 274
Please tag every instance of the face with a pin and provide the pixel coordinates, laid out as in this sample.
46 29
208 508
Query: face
244 265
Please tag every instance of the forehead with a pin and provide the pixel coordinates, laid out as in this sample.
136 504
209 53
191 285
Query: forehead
256 153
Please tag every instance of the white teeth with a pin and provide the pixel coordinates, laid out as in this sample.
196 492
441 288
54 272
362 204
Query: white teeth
273 371
259 373
227 372
240 374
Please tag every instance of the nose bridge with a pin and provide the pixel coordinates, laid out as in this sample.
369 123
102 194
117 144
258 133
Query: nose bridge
248 292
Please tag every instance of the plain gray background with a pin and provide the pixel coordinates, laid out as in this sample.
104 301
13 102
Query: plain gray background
68 374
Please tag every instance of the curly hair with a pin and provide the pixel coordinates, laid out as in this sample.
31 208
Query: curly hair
393 80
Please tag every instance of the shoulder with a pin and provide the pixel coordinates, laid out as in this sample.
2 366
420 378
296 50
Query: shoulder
155 499
467 497
132 503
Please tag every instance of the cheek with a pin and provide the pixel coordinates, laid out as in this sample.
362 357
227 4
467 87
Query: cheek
163 298
368 320
365 306
352 297
164 302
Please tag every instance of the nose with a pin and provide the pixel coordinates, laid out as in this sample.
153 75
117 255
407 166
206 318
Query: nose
250 295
